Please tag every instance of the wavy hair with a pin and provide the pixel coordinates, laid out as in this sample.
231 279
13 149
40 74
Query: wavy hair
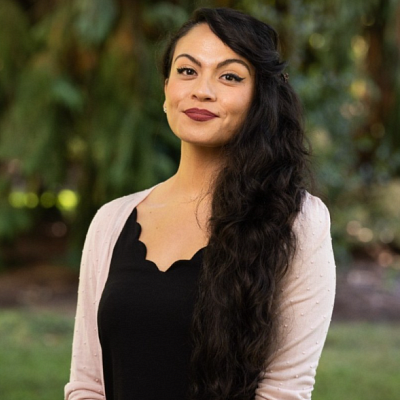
256 197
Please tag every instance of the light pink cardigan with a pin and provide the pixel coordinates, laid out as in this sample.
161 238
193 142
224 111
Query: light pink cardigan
306 308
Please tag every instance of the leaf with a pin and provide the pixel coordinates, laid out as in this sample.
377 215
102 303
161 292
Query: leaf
67 94
95 19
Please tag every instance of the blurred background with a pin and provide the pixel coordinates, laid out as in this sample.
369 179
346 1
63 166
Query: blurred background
81 123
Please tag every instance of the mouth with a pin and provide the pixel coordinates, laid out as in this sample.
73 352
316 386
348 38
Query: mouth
200 115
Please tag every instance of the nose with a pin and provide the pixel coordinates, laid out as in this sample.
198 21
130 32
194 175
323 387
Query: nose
203 89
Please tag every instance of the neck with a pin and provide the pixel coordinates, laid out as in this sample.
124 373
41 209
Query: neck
197 169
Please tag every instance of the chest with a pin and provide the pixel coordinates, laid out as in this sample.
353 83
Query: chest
170 235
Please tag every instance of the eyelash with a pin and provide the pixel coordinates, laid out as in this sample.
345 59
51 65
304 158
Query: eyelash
191 71
185 69
234 77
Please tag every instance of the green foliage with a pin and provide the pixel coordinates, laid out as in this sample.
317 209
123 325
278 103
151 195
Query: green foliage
95 20
81 103
15 46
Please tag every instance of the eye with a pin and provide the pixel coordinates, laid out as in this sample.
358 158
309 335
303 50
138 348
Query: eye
232 78
186 71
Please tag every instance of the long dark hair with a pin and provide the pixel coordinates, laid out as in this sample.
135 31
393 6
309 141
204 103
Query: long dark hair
256 198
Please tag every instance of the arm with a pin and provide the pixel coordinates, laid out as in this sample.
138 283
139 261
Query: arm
307 303
86 380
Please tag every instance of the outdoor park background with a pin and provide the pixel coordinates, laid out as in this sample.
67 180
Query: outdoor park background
81 123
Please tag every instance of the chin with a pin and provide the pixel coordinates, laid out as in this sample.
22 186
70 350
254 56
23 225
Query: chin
199 139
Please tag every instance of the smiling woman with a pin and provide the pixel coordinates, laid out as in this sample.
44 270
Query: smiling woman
218 283
208 82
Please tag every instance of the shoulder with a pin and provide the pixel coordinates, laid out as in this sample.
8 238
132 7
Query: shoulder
313 234
111 217
313 220
120 206
109 221
313 209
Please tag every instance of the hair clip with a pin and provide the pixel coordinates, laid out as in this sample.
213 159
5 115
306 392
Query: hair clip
285 77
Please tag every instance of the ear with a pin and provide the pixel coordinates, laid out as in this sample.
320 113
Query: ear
165 88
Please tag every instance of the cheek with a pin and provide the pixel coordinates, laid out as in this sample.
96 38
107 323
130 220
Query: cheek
241 107
175 93
240 102
247 103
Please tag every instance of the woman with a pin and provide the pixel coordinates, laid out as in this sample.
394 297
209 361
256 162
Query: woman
219 282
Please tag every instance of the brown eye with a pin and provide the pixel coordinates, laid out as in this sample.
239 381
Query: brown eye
186 71
232 78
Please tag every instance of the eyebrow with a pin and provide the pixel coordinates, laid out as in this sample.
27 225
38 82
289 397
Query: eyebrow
221 64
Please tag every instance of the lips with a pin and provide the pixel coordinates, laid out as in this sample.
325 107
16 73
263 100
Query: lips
198 114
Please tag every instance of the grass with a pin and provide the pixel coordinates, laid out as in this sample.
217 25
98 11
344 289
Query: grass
359 362
35 351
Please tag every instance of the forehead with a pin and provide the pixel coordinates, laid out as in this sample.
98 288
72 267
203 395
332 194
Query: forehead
201 42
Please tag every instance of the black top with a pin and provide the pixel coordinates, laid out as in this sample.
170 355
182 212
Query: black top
144 321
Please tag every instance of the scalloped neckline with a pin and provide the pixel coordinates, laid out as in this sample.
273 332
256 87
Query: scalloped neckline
154 264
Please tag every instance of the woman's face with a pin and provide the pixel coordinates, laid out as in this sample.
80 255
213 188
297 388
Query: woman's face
209 90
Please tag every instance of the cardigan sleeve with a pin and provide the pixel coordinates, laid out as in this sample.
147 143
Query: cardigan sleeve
306 309
86 379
